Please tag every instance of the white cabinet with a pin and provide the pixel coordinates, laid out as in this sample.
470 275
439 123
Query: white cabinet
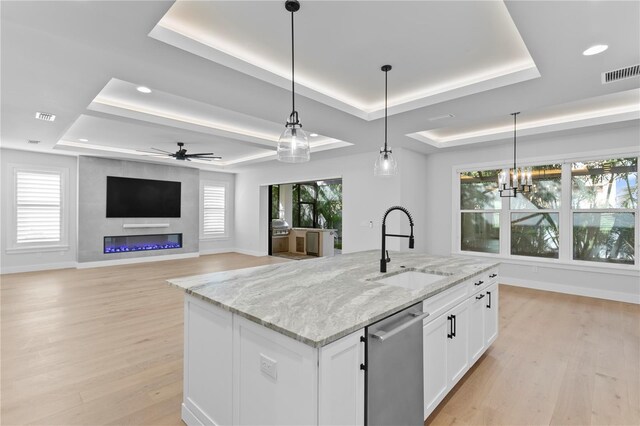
237 372
458 342
476 326
341 385
491 314
464 324
436 380
207 341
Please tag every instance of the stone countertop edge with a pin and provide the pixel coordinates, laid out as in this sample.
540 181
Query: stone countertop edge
191 285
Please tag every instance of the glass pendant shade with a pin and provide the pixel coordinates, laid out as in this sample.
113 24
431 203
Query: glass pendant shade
385 164
293 145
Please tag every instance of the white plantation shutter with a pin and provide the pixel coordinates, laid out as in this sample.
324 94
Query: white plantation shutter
38 207
213 211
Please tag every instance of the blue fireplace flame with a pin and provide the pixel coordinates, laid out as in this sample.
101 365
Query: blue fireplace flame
141 247
136 243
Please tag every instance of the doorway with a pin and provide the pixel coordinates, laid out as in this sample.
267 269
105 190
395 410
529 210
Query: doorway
305 219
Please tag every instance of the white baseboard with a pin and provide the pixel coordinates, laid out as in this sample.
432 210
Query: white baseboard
250 252
35 268
217 251
101 263
189 418
568 289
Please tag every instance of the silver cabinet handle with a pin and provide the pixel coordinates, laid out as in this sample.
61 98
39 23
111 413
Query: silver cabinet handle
384 335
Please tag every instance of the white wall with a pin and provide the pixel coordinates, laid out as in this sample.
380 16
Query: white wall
365 199
19 262
586 280
68 258
221 245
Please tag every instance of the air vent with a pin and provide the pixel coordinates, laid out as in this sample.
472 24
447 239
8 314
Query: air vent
621 74
33 141
45 116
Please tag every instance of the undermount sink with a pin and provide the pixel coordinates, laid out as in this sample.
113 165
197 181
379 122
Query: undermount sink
412 280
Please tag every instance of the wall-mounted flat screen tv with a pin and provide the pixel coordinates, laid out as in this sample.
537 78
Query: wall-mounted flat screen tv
128 197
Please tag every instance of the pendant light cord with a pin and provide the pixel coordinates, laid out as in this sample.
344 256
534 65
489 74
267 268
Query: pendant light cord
293 89
385 110
515 114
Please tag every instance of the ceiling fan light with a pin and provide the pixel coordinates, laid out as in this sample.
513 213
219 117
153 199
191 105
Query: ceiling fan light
293 145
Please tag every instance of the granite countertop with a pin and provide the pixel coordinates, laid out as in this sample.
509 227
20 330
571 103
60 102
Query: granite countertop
319 301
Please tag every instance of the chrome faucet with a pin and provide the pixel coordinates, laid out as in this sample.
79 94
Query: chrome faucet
385 254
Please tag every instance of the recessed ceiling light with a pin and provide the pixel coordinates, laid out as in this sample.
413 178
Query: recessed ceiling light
143 89
595 49
83 140
45 116
313 135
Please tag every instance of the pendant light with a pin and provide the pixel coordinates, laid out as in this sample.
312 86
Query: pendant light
385 165
521 181
293 145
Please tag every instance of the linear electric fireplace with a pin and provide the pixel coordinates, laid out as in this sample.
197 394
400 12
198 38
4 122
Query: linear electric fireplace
129 243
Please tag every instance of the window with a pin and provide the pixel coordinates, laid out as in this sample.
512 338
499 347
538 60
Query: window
38 218
480 211
535 216
214 212
276 209
604 199
38 207
578 211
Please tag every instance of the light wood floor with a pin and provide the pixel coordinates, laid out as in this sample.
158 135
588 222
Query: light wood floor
104 346
559 359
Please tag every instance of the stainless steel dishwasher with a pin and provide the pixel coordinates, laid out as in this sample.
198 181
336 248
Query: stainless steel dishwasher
394 370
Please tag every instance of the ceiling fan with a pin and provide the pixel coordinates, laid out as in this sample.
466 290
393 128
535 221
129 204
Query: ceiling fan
181 154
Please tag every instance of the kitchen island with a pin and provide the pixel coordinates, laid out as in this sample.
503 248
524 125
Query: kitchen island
282 344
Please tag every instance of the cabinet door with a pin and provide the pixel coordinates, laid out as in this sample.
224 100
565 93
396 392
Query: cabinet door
476 325
434 341
458 342
341 388
208 336
491 314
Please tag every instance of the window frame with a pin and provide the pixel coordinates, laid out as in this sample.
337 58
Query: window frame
225 235
507 202
12 244
461 211
572 212
565 256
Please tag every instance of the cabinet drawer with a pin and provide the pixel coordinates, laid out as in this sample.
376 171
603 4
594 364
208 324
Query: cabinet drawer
482 281
442 302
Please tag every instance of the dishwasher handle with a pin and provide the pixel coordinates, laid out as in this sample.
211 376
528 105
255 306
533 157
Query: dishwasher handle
384 335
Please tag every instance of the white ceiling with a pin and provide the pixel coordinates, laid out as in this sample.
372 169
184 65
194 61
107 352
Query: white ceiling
477 47
82 61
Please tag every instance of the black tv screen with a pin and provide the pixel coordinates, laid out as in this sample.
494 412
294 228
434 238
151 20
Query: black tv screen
128 197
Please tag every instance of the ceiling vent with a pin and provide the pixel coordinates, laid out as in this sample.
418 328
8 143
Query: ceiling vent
33 141
45 116
620 74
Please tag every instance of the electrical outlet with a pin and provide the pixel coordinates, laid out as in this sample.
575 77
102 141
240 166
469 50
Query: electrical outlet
269 366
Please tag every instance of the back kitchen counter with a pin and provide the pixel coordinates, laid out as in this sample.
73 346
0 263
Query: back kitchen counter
318 301
290 343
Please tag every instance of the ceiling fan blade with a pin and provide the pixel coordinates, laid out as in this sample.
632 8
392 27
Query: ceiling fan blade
214 157
200 153
162 150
